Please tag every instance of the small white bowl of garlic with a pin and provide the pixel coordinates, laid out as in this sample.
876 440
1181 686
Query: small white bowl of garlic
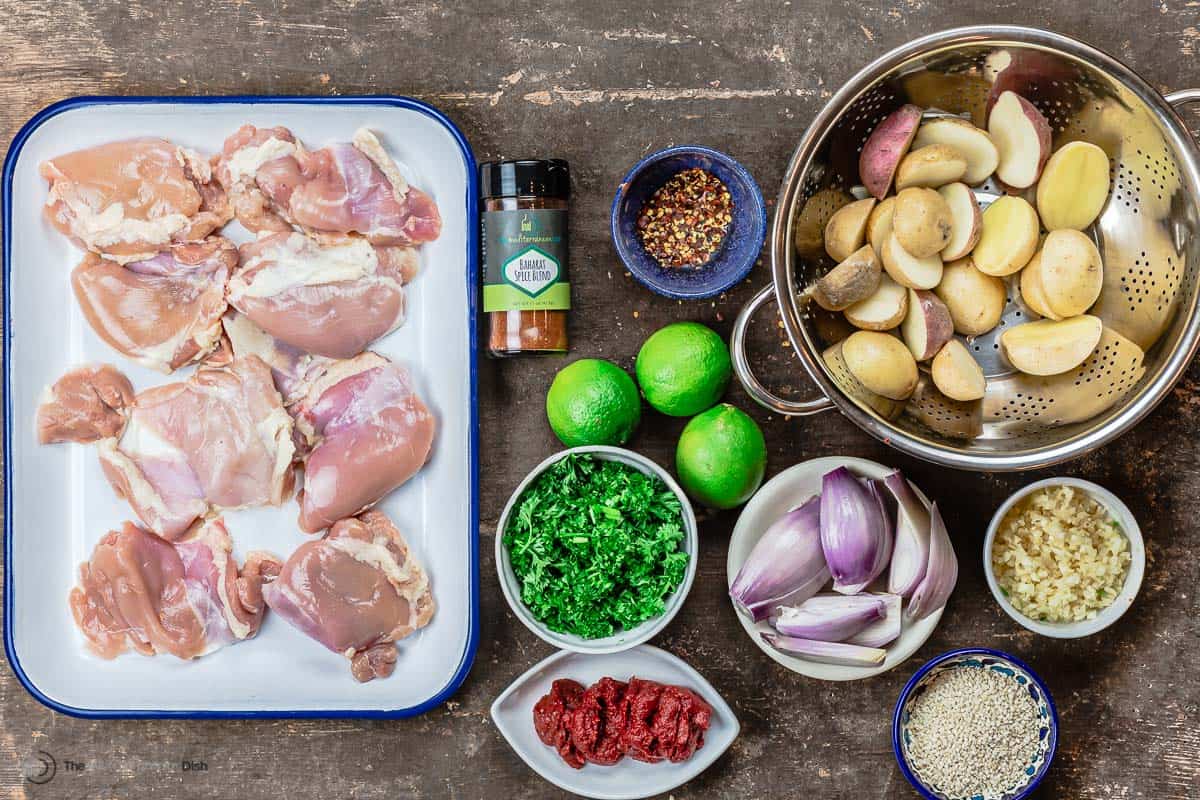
1064 557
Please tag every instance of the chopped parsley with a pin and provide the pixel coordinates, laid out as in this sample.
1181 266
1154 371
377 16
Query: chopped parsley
596 546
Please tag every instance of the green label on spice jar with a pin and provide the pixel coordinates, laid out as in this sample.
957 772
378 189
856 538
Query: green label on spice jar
525 260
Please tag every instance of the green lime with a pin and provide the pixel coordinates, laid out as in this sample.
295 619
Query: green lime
683 368
592 401
721 457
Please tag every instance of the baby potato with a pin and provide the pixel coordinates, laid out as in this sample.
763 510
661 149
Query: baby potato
1031 288
1074 186
931 166
1070 272
976 301
1009 237
881 363
847 229
855 279
956 373
1051 347
879 224
922 221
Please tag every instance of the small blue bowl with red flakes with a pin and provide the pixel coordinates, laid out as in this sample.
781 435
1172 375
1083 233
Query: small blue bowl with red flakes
981 658
739 248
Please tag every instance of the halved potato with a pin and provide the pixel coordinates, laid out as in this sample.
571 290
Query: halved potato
1031 288
921 222
956 373
1022 138
1050 347
879 224
852 386
881 311
884 148
881 363
908 270
965 218
814 215
1069 272
972 143
931 166
855 279
847 229
976 301
1074 186
927 325
1009 237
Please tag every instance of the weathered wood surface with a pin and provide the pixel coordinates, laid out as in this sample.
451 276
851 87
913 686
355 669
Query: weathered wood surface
602 86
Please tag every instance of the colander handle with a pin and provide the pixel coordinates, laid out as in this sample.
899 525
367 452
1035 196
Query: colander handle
1183 97
741 365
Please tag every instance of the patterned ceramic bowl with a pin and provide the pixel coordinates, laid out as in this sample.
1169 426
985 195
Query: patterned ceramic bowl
1000 663
743 241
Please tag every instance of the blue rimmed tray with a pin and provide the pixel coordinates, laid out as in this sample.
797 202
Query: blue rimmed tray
57 503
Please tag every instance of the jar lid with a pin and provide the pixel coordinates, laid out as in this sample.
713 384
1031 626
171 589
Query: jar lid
549 177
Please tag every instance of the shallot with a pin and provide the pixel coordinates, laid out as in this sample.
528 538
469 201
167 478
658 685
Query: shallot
787 564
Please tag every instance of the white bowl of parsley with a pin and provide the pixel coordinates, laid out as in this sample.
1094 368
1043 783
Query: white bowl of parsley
596 549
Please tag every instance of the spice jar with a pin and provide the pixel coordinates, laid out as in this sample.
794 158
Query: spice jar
526 293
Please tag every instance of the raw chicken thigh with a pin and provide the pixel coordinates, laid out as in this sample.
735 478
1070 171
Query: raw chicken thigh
329 299
293 369
220 439
188 599
127 200
368 432
163 312
87 404
346 188
357 590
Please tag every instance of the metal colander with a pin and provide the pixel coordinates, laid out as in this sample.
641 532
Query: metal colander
1148 235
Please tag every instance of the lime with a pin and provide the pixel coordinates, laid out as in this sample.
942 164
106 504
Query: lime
593 401
683 368
721 457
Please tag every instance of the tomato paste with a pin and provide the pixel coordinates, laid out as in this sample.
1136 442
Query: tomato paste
601 724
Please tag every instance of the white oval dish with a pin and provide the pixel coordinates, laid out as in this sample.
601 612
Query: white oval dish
627 779
622 640
779 495
1133 578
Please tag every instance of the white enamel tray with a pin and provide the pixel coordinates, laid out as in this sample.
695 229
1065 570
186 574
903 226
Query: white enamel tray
779 495
58 504
627 779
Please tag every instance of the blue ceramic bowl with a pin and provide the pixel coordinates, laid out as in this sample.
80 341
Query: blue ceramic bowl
743 242
979 658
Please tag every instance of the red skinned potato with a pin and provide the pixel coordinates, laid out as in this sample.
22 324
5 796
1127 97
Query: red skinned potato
1022 138
927 324
885 147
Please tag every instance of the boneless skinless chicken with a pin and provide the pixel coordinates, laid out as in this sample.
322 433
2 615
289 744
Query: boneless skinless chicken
328 299
186 598
220 439
284 378
128 200
274 184
356 590
163 312
361 428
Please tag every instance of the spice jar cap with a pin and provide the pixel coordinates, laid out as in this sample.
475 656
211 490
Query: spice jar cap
549 177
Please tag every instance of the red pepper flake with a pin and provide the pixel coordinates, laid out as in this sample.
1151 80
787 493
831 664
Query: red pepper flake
684 223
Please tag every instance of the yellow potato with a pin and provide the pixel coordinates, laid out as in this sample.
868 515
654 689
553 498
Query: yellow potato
922 222
1031 288
853 280
879 224
956 373
931 166
1069 272
847 229
1051 347
1074 187
1009 237
881 363
976 301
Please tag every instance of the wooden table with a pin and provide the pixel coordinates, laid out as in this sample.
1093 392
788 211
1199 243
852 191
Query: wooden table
601 88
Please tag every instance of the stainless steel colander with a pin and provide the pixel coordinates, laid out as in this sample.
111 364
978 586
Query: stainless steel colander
1148 235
